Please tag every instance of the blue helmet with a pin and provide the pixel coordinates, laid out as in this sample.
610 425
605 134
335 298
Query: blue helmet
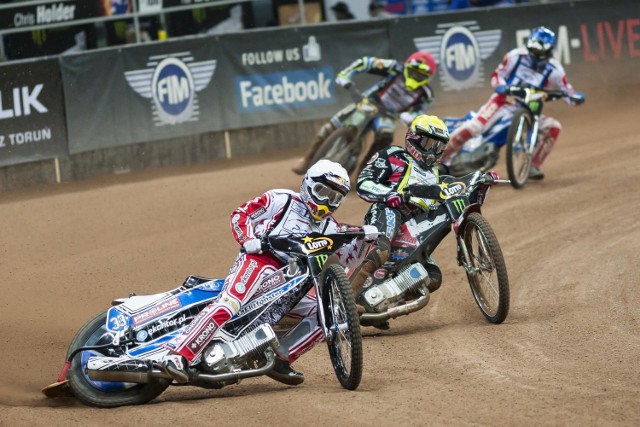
540 45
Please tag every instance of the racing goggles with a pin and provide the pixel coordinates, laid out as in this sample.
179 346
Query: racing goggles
418 70
324 193
432 145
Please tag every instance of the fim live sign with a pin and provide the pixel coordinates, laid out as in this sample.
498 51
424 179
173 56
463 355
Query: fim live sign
171 82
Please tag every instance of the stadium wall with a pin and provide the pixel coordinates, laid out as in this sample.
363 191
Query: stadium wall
204 98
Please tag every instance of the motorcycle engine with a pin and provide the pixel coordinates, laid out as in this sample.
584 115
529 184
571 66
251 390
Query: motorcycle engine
223 357
406 285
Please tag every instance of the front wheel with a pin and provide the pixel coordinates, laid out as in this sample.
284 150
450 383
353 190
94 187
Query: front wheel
340 148
519 152
341 315
104 394
487 274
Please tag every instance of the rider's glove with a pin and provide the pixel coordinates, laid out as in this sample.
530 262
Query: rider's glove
252 246
394 199
343 81
578 98
502 89
407 118
370 232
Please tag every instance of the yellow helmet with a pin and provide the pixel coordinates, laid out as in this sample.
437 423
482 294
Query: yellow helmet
426 139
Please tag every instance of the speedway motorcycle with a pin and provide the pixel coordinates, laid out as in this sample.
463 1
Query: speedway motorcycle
410 275
345 144
112 360
517 128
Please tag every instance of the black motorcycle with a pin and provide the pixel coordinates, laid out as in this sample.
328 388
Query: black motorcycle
410 275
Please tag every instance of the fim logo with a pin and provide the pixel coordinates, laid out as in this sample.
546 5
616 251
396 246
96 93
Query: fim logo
459 49
171 82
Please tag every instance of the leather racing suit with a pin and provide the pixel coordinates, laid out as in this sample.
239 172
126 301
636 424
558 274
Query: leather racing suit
276 212
390 171
391 92
517 68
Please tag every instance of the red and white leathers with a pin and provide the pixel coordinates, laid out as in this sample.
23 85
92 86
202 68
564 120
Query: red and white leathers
518 69
276 212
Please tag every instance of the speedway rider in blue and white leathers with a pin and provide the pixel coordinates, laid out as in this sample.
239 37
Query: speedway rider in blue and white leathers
532 66
404 89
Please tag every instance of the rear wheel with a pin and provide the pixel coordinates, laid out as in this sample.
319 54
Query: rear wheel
487 274
105 394
340 148
341 315
519 154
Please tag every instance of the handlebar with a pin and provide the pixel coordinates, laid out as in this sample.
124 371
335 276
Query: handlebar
358 96
529 94
435 191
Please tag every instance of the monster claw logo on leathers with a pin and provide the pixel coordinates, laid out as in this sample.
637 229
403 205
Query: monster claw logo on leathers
460 48
171 82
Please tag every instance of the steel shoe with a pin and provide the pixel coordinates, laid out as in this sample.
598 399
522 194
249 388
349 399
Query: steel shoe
284 373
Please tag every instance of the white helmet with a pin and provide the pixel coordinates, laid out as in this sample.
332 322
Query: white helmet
323 188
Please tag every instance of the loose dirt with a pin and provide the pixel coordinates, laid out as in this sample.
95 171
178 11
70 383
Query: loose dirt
568 354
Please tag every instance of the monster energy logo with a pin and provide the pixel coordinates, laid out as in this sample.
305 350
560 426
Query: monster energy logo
321 259
533 106
459 204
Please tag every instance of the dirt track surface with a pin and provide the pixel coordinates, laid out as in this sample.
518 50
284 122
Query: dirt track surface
568 354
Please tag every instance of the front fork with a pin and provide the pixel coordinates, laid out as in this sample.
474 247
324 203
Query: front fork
464 258
328 333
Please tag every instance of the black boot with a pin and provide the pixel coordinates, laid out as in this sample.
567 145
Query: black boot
284 373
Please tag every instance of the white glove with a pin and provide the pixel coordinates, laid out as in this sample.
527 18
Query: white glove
253 246
343 81
407 118
370 232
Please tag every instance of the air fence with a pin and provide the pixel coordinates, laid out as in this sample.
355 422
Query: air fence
210 97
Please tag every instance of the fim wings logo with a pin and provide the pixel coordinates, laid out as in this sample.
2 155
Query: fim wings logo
171 82
459 49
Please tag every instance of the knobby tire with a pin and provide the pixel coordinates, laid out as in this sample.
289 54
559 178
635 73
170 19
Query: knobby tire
340 308
85 392
476 221
517 181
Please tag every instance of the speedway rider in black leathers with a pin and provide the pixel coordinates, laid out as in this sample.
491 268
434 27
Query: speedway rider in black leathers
404 90
389 172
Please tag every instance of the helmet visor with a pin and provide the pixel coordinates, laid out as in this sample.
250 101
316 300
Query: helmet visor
432 145
324 193
418 75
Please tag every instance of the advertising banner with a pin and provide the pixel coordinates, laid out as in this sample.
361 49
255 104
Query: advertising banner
289 75
597 42
166 90
143 93
32 123
62 11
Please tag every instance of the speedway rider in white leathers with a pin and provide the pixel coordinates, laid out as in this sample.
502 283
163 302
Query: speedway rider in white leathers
533 66
275 213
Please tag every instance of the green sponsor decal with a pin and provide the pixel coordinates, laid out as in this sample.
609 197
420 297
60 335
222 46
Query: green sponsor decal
459 204
321 259
534 106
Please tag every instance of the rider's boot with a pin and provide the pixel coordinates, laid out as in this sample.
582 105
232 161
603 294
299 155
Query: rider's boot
284 373
175 366
301 167
535 173
376 257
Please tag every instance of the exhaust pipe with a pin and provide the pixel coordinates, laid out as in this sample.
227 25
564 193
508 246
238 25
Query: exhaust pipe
370 319
144 377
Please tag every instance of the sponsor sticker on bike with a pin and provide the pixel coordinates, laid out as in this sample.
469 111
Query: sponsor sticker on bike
315 244
156 311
